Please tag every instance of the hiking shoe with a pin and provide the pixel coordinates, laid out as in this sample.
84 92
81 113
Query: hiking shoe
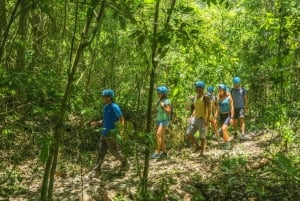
163 155
155 156
244 137
227 146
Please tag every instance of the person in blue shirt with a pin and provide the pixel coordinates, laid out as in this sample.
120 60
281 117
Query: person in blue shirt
112 114
225 112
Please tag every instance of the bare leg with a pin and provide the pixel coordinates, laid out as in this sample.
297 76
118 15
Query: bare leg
225 133
242 123
193 140
234 123
203 143
160 136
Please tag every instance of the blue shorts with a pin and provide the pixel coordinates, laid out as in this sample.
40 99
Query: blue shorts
164 123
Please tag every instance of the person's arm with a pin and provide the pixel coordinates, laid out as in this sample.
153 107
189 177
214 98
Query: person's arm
165 107
96 123
207 107
246 103
231 108
122 121
217 112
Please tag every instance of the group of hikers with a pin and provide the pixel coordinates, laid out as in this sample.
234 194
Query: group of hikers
218 111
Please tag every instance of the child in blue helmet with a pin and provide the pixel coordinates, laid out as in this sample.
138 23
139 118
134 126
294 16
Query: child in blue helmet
199 117
163 109
112 114
240 102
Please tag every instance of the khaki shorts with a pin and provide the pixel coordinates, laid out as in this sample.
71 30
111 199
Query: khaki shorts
197 124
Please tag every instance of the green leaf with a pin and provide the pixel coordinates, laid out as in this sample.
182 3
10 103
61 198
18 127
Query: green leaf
149 1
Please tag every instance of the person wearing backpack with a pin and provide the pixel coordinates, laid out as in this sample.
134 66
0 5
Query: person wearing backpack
225 112
163 108
212 121
112 114
199 117
240 102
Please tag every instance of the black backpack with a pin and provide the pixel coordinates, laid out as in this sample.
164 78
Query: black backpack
172 115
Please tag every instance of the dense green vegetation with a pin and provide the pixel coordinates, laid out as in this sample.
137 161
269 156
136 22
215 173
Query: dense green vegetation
56 58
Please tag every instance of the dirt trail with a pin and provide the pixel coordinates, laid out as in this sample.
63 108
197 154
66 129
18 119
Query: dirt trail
175 171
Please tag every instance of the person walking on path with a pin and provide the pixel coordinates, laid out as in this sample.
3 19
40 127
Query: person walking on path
163 108
199 118
240 102
225 112
112 114
212 121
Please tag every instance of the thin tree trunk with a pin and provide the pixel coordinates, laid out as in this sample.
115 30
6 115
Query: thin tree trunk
6 32
3 22
156 50
47 188
22 31
37 42
154 64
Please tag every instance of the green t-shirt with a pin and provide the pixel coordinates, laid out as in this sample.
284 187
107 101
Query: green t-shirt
161 115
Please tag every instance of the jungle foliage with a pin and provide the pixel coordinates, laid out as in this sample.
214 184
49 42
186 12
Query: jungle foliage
56 58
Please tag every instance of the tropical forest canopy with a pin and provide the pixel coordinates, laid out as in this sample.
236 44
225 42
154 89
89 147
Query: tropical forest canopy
57 56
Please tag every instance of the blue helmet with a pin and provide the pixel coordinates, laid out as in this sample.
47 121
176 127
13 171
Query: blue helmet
108 92
162 90
236 80
200 84
210 89
222 86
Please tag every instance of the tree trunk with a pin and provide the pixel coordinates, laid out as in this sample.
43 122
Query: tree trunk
37 41
3 22
156 50
7 28
48 179
22 32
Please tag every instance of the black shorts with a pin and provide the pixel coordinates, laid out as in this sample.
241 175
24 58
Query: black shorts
225 119
239 113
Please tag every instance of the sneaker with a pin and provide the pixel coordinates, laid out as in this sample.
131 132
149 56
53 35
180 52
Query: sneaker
155 156
163 155
244 137
227 146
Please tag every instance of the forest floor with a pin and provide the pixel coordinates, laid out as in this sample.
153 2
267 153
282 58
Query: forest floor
169 176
